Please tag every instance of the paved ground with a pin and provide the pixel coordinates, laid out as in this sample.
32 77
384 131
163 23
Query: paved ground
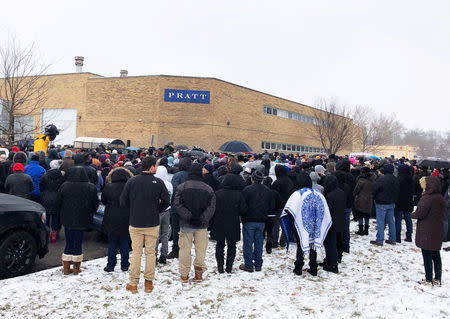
94 246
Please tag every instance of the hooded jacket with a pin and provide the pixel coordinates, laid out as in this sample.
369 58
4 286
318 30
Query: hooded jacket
36 172
283 185
116 219
181 176
91 172
161 173
230 205
49 185
260 201
78 200
405 198
363 195
315 178
336 200
430 215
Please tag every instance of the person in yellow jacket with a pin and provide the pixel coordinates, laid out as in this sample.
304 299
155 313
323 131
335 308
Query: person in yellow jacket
41 143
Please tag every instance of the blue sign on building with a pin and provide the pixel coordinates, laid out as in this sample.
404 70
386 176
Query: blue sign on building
186 96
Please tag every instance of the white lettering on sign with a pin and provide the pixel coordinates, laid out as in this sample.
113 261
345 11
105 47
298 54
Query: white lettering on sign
179 95
171 94
203 96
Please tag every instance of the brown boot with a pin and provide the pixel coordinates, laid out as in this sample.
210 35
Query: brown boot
132 289
77 264
148 286
198 274
184 279
66 261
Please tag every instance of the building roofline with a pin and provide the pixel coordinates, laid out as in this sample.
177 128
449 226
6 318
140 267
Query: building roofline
203 78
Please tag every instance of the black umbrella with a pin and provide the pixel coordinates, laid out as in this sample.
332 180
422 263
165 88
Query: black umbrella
433 163
196 154
181 147
235 147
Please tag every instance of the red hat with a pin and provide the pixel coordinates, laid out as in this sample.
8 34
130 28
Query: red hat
15 149
18 168
222 155
121 158
435 173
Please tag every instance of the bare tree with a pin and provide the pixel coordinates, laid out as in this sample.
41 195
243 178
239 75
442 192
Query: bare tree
375 129
23 90
429 143
333 125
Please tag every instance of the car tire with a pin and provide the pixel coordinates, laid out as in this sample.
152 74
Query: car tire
17 254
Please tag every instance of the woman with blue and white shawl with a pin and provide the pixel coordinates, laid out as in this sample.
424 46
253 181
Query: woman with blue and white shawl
307 218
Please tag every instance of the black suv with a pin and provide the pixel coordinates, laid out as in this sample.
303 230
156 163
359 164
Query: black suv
23 235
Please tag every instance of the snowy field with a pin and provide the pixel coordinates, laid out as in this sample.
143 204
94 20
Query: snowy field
374 282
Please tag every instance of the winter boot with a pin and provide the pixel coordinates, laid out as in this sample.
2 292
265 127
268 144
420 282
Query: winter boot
360 230
331 268
66 261
198 274
131 288
220 268
148 286
366 230
312 271
77 264
184 279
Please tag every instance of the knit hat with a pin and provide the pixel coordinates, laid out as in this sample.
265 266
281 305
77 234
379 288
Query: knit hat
55 164
257 176
209 167
319 169
114 152
196 170
435 173
18 168
15 149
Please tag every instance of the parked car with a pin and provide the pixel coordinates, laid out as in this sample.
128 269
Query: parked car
23 235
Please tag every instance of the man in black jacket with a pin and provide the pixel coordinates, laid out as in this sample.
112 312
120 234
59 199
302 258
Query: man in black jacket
147 197
259 201
404 205
385 193
83 160
195 203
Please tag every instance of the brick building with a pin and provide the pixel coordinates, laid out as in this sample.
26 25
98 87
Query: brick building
186 110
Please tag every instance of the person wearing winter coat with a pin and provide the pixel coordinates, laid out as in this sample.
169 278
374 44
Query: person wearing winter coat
19 183
429 231
177 179
334 244
67 162
82 161
273 218
36 172
285 187
3 172
315 178
49 185
195 203
342 178
116 219
385 193
208 176
19 157
363 200
260 202
404 205
78 202
230 205
52 155
447 217
164 218
147 197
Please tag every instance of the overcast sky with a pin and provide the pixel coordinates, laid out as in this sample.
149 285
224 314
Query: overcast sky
393 56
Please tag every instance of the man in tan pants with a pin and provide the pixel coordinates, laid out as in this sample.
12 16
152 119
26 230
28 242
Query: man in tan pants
147 197
195 204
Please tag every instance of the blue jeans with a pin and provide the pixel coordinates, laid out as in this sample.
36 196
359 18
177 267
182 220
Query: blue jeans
385 215
365 220
346 232
398 224
123 243
252 236
74 241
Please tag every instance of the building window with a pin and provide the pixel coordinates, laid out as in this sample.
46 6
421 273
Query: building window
289 115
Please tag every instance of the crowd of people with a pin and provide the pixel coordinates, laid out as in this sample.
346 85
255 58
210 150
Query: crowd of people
152 195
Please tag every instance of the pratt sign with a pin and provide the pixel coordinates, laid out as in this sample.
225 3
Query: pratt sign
186 96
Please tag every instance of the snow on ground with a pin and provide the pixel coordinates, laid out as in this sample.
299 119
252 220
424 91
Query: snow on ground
374 282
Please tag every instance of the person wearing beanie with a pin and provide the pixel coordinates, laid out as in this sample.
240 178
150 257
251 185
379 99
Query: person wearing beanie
36 172
385 194
67 162
260 201
315 178
363 200
18 183
49 185
208 176
195 204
